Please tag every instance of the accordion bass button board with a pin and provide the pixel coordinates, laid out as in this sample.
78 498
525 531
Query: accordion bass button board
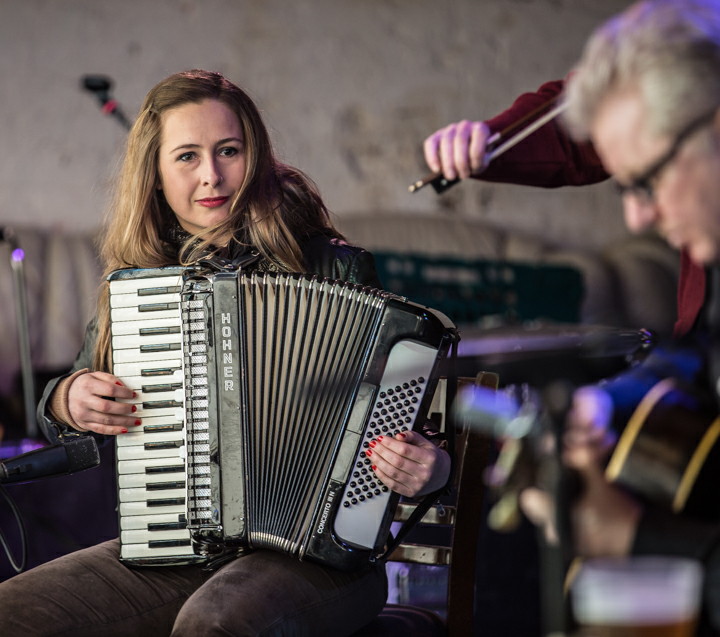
259 395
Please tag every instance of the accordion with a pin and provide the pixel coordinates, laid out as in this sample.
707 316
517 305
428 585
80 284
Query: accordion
259 394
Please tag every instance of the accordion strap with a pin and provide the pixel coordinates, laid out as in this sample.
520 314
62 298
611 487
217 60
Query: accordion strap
220 263
420 510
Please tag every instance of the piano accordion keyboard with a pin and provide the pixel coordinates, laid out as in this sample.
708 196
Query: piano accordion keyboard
151 459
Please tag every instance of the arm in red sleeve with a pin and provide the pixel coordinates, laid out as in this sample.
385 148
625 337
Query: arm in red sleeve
691 294
548 157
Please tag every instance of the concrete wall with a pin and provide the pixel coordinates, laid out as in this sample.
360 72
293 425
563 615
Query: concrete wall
349 88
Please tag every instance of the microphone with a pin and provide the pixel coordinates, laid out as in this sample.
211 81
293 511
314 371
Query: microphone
100 86
63 459
513 413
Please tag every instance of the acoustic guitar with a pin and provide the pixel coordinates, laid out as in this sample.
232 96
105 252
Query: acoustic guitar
668 452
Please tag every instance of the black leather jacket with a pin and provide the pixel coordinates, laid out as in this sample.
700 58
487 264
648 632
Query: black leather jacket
327 257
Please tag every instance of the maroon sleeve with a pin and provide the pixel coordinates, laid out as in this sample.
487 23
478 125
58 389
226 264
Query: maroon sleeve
690 295
546 158
549 158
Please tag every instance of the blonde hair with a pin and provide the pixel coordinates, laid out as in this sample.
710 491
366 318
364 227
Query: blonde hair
668 50
276 207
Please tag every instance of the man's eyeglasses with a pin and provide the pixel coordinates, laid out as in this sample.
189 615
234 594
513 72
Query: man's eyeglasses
642 186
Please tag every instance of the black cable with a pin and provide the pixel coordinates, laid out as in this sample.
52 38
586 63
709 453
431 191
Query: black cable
21 527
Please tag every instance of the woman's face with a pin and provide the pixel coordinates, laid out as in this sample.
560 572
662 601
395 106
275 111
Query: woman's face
201 162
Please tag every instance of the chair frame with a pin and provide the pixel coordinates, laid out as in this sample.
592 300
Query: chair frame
464 515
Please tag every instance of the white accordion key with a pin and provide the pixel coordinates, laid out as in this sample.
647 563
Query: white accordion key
151 286
138 452
135 480
143 494
150 507
162 439
149 372
159 465
144 536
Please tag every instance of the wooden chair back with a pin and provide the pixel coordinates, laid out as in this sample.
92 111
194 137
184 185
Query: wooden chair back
460 514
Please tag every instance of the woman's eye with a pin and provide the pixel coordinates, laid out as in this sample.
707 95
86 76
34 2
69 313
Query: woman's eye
186 156
229 151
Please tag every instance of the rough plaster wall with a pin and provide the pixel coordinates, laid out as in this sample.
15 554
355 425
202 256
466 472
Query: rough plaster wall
349 88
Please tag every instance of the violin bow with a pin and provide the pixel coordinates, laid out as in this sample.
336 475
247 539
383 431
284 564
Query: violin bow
497 146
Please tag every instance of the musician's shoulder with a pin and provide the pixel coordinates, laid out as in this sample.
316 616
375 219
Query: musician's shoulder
335 258
327 245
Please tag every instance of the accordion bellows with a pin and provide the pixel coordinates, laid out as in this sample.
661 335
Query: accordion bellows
259 394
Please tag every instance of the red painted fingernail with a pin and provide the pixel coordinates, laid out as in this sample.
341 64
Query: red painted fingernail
134 395
123 431
380 437
368 453
134 409
138 422
373 467
402 435
373 443
117 382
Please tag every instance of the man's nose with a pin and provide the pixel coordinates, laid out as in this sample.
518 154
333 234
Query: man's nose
640 213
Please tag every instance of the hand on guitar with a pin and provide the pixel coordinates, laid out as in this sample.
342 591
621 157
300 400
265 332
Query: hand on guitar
92 408
604 517
409 463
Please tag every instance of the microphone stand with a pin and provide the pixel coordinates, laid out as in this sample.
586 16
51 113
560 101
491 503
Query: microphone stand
17 260
562 486
100 86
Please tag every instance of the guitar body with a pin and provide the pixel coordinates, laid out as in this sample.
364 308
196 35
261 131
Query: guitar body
668 452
